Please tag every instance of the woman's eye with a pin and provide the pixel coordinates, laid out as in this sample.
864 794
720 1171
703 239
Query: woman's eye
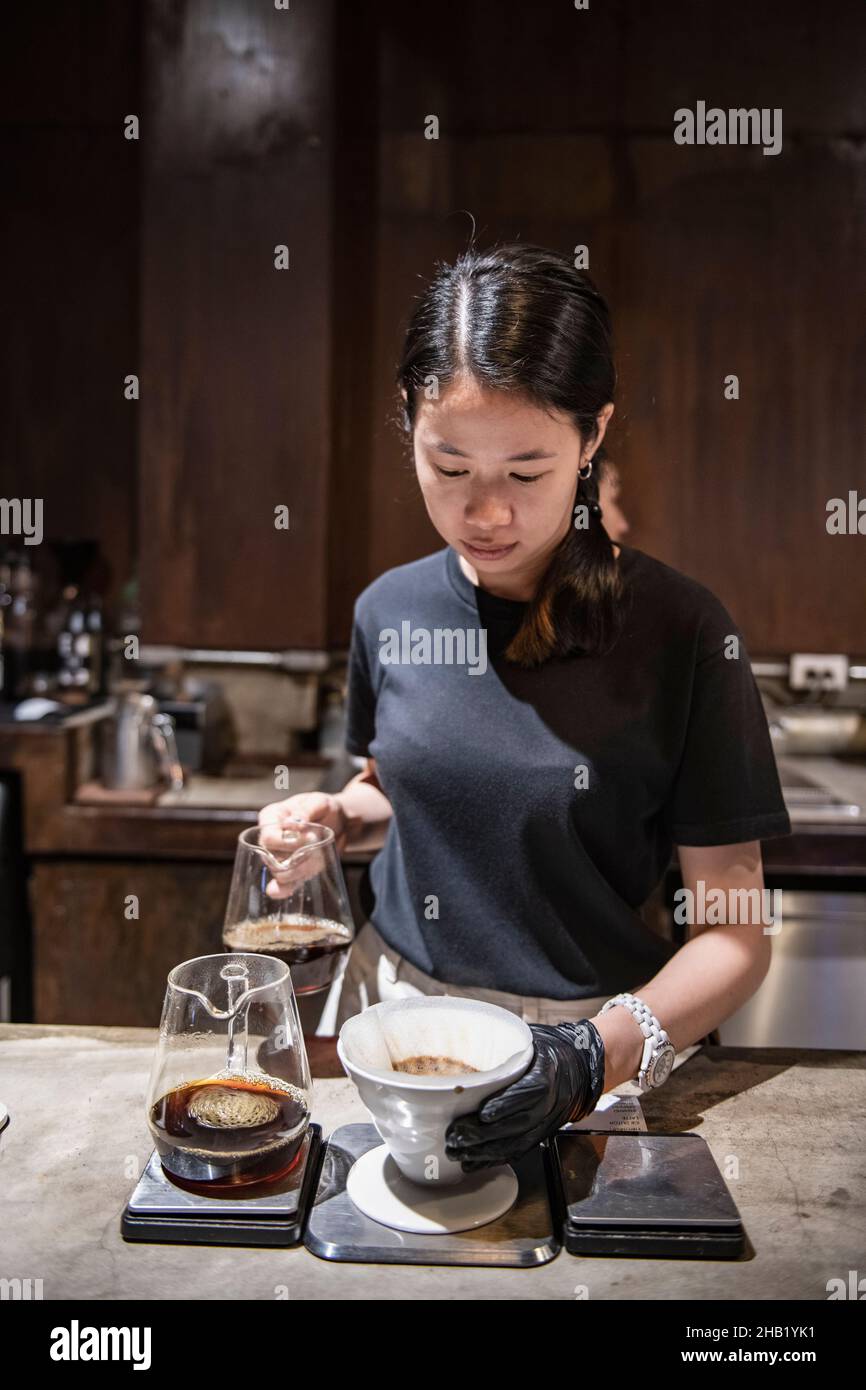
445 473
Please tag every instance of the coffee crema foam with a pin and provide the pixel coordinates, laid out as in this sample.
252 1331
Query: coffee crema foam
433 1066
297 929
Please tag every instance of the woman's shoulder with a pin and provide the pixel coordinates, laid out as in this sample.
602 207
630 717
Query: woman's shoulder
669 595
398 588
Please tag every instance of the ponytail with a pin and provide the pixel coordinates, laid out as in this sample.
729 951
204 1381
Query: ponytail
578 606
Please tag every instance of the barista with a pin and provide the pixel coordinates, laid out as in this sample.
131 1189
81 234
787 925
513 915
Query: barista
527 810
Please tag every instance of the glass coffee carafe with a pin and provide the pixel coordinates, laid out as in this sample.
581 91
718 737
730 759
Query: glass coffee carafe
220 1119
288 900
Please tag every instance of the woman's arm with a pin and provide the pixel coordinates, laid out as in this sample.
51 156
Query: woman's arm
716 971
366 809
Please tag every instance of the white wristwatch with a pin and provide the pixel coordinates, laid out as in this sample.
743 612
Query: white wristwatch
657 1061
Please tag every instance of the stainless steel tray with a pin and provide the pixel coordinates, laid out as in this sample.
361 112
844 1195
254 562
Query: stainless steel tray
526 1235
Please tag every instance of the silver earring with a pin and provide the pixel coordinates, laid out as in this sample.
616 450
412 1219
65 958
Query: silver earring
580 472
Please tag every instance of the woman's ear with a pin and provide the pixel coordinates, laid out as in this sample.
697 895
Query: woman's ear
603 419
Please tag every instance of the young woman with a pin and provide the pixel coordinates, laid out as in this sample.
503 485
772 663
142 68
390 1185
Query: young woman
543 715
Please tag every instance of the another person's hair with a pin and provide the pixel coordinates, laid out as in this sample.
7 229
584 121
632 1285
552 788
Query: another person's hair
522 319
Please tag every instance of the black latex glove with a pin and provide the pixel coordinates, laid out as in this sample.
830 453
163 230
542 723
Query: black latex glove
563 1082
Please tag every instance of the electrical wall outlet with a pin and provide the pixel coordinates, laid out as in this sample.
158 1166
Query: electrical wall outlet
817 671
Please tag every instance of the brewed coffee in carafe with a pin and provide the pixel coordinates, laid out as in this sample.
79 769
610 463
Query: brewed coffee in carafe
222 1128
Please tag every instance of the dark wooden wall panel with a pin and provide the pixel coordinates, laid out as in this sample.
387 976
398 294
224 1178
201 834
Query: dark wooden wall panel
355 366
235 413
492 67
752 282
91 964
69 248
806 58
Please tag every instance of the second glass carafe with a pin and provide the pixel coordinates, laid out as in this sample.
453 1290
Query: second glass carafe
309 925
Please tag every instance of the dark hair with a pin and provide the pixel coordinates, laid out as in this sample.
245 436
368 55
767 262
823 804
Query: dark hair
521 318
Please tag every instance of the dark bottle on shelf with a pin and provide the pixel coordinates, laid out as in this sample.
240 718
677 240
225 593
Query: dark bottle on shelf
95 628
80 647
19 622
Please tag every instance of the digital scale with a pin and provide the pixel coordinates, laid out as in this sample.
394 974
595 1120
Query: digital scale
591 1192
644 1194
159 1210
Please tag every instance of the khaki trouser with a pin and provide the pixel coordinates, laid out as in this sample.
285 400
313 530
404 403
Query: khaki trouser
376 973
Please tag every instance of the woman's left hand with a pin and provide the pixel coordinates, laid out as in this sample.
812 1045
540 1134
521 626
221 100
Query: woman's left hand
563 1082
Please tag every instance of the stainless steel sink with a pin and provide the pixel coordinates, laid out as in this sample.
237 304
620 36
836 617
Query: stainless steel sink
807 800
812 995
814 729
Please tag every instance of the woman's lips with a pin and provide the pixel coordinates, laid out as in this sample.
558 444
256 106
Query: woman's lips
481 553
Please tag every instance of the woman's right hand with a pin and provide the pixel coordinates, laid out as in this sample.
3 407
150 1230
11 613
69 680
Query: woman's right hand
278 817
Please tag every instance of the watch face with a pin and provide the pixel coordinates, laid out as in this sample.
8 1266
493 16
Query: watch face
662 1066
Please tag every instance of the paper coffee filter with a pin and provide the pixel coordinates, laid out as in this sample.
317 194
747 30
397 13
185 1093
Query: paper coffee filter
387 1033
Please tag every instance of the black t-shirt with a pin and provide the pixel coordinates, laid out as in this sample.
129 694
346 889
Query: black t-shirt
505 865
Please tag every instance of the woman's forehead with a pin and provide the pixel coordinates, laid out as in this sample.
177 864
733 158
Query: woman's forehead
459 409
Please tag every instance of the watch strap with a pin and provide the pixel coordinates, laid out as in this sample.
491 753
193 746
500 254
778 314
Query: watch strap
655 1036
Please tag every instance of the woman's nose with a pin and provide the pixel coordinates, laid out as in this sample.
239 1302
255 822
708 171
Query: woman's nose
488 511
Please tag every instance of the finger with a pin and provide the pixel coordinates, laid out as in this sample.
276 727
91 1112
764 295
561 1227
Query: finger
285 834
286 884
472 1129
475 1145
502 1150
302 857
494 1157
469 1134
298 870
290 847
515 1101
476 1165
276 890
277 813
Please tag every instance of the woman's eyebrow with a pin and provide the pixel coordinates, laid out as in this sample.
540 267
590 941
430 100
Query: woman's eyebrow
442 447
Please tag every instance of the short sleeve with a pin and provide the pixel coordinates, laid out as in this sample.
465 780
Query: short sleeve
727 787
360 697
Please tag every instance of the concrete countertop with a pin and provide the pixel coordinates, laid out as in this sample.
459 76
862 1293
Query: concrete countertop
790 1123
